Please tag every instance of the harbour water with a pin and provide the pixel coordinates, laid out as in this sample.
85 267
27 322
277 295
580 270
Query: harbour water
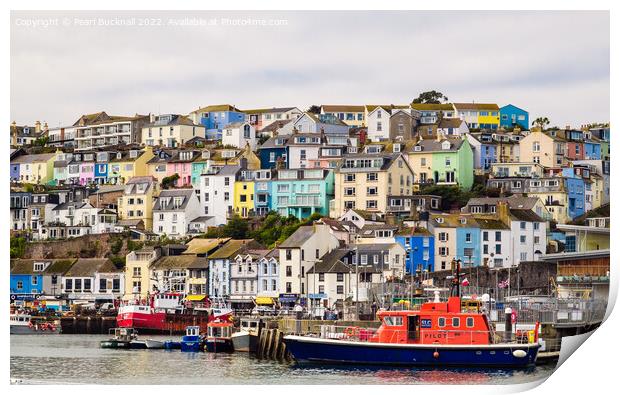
77 359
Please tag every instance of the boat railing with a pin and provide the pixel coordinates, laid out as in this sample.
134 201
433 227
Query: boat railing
424 336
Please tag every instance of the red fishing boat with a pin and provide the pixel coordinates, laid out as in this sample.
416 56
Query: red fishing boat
166 313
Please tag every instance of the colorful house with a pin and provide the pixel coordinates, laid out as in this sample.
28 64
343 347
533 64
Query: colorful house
451 162
484 149
136 204
243 194
34 169
273 151
170 130
419 245
479 115
545 148
350 114
215 118
302 192
512 116
127 164
468 242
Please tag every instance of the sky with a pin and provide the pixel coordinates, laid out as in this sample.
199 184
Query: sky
65 64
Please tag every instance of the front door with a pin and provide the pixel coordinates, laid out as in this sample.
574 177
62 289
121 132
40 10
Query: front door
413 327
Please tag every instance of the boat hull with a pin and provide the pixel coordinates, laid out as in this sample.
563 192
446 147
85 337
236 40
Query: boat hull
309 350
114 344
172 345
34 330
241 341
154 344
219 345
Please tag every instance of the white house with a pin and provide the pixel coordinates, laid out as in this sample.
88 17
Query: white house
244 271
378 121
170 130
452 127
93 279
217 192
268 285
219 266
299 253
239 134
173 211
313 123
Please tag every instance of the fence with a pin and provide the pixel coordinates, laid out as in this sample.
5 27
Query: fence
569 312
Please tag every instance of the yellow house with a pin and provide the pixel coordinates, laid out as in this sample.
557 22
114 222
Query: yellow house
243 203
233 156
544 148
37 168
556 202
479 115
137 273
369 182
127 164
422 162
136 204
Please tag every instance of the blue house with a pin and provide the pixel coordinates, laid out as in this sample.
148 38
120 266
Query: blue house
511 116
215 118
101 173
14 172
272 151
302 192
419 244
468 243
592 149
575 189
30 278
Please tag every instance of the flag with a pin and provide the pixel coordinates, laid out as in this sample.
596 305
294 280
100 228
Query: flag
465 282
503 284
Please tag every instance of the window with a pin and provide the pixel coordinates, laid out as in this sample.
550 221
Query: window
456 322
289 255
443 236
289 271
393 321
498 248
349 177
469 322
103 283
485 236
443 251
523 239
498 236
441 322
87 282
77 284
68 284
321 276
340 278
137 271
35 280
468 237
522 225
339 289
523 256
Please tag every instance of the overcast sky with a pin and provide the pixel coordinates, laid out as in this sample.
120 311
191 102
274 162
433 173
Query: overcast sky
554 64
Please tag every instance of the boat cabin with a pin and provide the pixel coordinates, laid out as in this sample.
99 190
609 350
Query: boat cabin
167 301
435 323
124 334
249 325
192 331
20 319
219 330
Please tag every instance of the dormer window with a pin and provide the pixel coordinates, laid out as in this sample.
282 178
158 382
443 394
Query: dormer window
206 154
396 148
463 221
439 220
119 155
445 145
417 148
39 266
133 153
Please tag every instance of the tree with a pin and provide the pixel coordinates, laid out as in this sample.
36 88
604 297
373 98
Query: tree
168 182
541 122
314 109
431 97
17 247
236 227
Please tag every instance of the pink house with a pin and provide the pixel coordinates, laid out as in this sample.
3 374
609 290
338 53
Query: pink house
87 172
181 164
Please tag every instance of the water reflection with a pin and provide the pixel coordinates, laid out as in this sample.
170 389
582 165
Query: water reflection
78 359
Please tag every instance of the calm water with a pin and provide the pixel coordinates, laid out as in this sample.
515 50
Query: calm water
73 359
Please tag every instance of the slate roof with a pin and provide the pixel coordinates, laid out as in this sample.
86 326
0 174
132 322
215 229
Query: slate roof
526 215
274 126
270 143
514 202
269 110
176 119
299 237
331 262
491 224
168 195
33 158
432 145
388 107
454 221
450 123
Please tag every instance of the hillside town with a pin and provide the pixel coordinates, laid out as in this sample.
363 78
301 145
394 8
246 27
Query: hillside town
335 208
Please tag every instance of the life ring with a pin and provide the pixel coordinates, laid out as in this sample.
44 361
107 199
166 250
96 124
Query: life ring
351 331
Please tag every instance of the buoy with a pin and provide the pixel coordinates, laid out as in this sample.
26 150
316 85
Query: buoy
519 353
436 354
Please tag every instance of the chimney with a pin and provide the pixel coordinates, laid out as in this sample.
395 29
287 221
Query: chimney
151 117
62 134
14 133
503 212
37 127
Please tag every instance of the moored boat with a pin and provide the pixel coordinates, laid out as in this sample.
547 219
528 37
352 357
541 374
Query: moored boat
218 337
122 338
25 324
192 341
245 339
154 344
172 345
438 334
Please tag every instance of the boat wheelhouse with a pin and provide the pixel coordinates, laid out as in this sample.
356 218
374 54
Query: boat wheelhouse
219 337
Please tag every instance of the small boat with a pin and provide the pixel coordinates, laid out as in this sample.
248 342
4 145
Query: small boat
219 337
192 341
154 344
138 345
24 324
122 338
172 345
437 334
247 338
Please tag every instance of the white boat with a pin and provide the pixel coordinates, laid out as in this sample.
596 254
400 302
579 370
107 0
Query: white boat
22 324
245 339
154 344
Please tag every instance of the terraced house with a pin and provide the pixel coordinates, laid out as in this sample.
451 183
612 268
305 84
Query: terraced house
170 130
350 114
479 115
364 181
443 161
135 207
302 192
102 130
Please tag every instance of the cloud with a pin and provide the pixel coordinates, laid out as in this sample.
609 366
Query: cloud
552 63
